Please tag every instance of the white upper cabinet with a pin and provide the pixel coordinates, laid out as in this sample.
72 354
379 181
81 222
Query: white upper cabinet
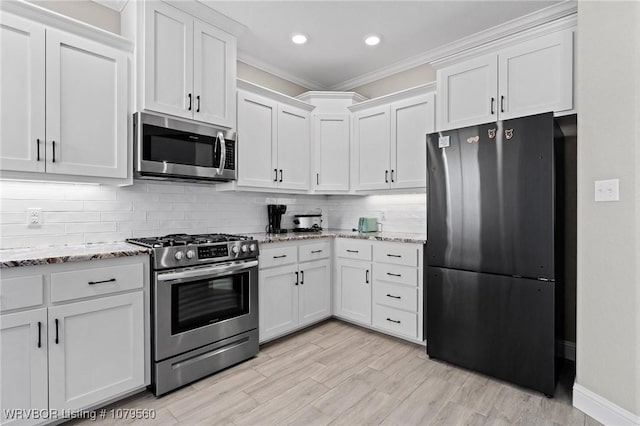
273 141
371 144
64 102
467 92
389 142
168 79
189 66
22 94
293 148
411 121
331 152
257 143
86 107
527 78
536 76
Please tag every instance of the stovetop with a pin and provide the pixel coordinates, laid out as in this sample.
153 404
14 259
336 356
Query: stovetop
185 239
183 250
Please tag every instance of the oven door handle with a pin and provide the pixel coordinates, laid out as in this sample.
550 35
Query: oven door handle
211 271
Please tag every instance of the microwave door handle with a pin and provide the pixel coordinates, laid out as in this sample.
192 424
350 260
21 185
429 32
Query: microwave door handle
223 156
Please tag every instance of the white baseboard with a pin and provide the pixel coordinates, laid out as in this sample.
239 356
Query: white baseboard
601 409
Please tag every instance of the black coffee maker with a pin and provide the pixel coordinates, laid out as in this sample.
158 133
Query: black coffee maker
275 212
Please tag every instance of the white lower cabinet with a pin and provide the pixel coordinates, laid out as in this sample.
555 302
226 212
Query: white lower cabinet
23 362
71 356
293 294
96 350
353 290
380 285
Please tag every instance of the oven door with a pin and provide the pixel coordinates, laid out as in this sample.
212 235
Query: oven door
194 307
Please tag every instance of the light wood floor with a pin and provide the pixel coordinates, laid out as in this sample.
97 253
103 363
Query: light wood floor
336 373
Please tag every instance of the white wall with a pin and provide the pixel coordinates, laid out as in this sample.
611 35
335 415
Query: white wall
265 79
608 305
394 83
86 11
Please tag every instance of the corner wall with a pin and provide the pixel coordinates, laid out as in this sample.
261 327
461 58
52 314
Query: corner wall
608 304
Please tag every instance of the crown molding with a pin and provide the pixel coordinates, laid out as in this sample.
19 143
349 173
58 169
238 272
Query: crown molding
396 96
437 56
65 23
350 96
117 5
279 72
272 94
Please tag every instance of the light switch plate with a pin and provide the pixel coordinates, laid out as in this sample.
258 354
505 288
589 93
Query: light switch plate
607 190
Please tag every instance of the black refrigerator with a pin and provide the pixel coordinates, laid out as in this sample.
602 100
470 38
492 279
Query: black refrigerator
493 249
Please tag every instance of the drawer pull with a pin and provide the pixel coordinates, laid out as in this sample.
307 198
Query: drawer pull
366 278
110 280
57 334
280 257
394 297
394 321
301 277
393 275
297 279
39 334
316 251
352 251
393 255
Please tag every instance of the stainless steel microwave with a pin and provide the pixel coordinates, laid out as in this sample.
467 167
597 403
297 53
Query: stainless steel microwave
174 149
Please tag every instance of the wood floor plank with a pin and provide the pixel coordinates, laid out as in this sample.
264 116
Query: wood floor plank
371 410
283 381
456 414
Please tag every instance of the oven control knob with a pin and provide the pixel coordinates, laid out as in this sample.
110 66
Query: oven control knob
191 254
179 255
252 247
244 249
235 250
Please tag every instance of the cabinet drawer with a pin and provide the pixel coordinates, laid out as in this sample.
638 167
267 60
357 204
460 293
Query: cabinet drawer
395 296
353 249
395 274
314 251
278 256
404 323
397 254
21 292
95 281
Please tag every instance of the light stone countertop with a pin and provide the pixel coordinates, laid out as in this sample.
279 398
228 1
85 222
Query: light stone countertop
10 258
400 237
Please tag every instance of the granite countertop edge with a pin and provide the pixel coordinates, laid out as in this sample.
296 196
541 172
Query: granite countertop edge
10 258
265 238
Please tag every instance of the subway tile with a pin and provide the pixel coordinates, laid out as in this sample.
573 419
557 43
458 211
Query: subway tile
105 237
90 227
44 229
45 205
123 216
65 217
13 217
175 215
165 188
142 225
40 240
108 206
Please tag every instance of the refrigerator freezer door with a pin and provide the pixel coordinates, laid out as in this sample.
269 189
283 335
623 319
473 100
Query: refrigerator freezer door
490 198
497 325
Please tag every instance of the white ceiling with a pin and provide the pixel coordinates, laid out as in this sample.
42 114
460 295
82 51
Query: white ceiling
335 54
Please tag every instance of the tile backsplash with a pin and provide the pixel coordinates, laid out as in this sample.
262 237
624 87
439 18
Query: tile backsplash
80 213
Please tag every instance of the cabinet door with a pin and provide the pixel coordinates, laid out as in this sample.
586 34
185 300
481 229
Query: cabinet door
22 94
257 145
278 301
214 81
353 290
467 93
23 346
371 145
293 148
96 350
537 76
315 291
411 121
87 87
168 60
331 152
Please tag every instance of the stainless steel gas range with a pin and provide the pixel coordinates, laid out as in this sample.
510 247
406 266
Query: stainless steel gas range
204 305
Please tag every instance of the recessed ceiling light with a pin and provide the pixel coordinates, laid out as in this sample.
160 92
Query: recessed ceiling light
299 38
372 40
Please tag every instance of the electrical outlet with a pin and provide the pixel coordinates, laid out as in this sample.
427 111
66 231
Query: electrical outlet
34 217
607 190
